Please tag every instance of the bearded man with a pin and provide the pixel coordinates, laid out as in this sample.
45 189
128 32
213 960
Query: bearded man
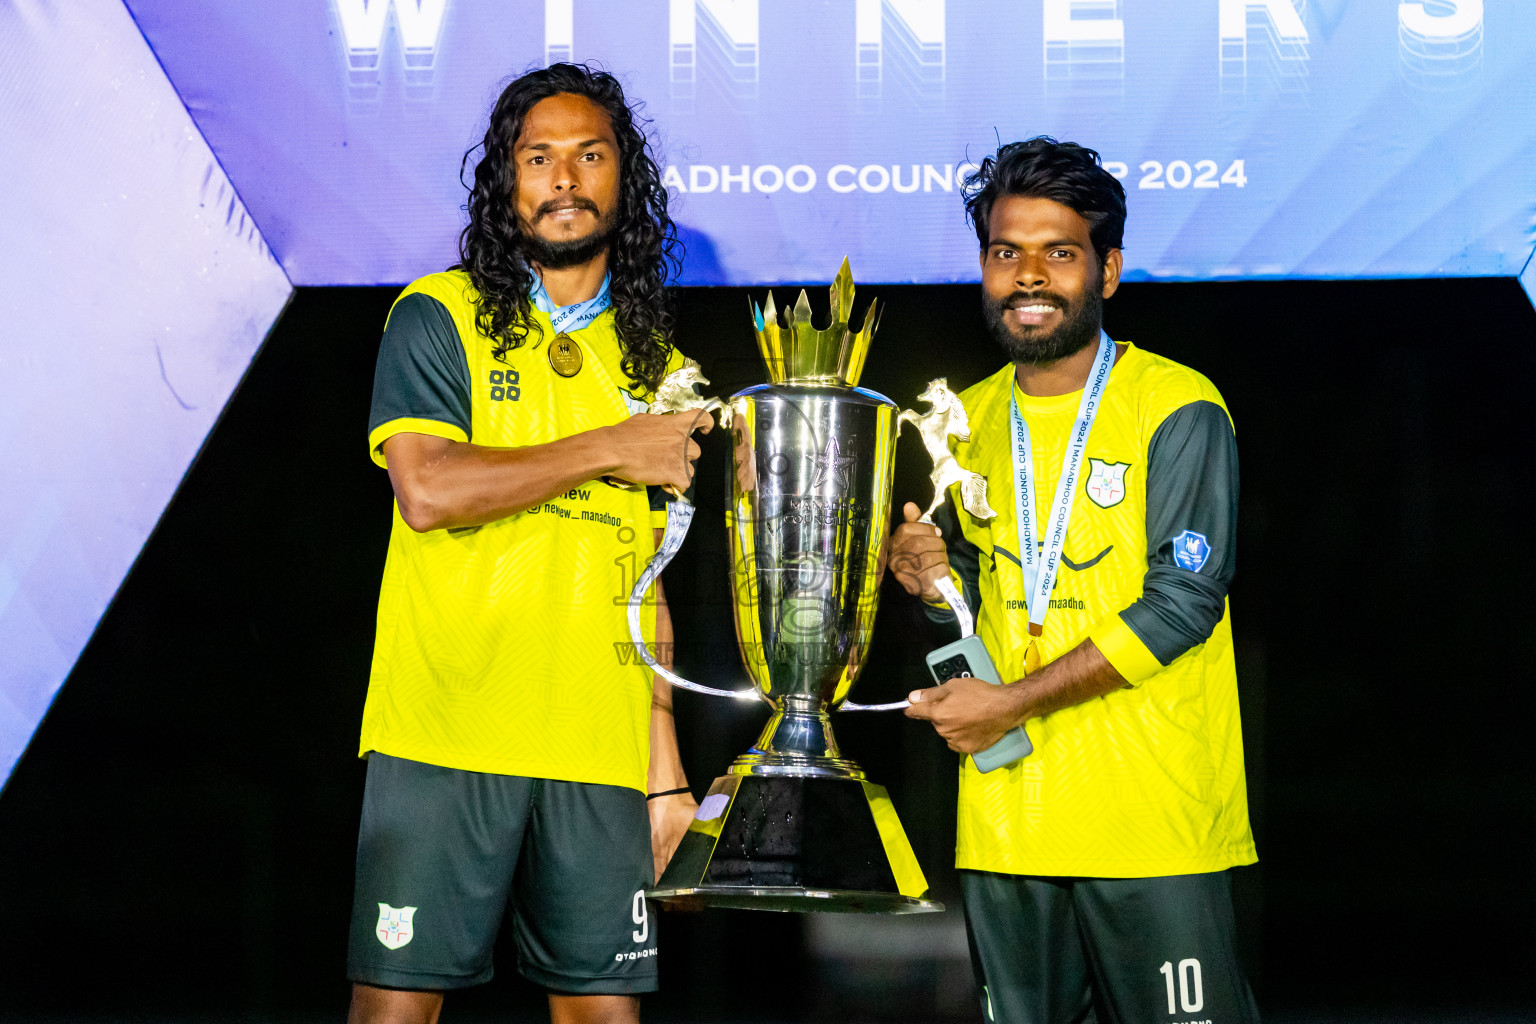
514 762
1094 870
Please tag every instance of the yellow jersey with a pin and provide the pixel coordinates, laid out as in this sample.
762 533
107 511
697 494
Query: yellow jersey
496 645
1147 780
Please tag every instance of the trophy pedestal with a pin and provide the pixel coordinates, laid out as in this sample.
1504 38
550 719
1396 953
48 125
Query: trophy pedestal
769 837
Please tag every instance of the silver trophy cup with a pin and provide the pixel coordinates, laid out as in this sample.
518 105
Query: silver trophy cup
794 824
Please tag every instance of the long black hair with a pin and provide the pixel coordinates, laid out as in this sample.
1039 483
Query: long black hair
643 250
1063 172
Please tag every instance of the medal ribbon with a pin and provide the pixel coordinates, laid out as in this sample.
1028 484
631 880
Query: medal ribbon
1039 570
575 316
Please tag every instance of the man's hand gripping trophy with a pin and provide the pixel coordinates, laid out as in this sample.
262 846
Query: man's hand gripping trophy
918 557
678 393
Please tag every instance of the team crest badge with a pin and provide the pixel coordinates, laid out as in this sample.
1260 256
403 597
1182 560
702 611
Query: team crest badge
1191 550
394 928
1106 482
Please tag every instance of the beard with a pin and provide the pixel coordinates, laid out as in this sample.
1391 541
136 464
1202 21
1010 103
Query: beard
567 252
1033 346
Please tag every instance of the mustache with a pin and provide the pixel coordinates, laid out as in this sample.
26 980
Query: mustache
573 203
1022 298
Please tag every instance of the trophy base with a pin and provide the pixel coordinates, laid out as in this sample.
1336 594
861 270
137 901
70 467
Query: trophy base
806 842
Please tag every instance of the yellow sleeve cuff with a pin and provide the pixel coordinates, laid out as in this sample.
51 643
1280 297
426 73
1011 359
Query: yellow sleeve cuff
407 425
1123 649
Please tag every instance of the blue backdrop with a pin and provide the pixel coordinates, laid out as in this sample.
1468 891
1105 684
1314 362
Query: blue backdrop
1257 138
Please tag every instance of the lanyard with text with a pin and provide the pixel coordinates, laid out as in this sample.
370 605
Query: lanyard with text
1040 569
575 316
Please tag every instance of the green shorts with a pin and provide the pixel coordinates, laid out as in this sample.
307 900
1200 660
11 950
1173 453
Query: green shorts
443 854
1105 950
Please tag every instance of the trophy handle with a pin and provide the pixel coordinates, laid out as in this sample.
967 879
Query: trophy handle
679 517
896 705
956 601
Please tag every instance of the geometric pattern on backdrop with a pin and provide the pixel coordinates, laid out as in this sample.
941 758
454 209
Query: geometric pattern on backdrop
136 289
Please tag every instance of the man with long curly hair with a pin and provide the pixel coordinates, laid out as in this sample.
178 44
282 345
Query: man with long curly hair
514 761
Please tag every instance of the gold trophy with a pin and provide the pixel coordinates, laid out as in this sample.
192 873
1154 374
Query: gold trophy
794 824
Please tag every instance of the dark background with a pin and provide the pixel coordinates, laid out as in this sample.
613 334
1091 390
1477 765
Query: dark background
178 840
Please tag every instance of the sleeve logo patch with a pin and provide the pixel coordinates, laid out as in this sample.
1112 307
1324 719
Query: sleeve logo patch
1191 550
394 928
1106 482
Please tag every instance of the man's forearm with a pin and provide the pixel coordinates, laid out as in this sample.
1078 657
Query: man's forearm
1080 675
666 770
972 714
443 484
666 767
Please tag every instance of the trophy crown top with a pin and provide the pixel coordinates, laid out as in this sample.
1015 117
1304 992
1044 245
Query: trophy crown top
798 352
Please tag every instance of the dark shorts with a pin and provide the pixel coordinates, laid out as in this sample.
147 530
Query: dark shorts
1105 950
443 854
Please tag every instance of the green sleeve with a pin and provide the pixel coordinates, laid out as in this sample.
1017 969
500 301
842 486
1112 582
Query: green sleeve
1192 490
422 372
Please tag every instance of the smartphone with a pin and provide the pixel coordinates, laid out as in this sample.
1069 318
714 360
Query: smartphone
968 657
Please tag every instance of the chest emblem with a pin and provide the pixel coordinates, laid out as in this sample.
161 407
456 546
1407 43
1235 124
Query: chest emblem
1106 482
565 355
504 385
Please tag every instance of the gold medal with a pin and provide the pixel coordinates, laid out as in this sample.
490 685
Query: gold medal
565 355
1032 653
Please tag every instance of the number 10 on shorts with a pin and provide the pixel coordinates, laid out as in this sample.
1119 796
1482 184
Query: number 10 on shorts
1191 991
